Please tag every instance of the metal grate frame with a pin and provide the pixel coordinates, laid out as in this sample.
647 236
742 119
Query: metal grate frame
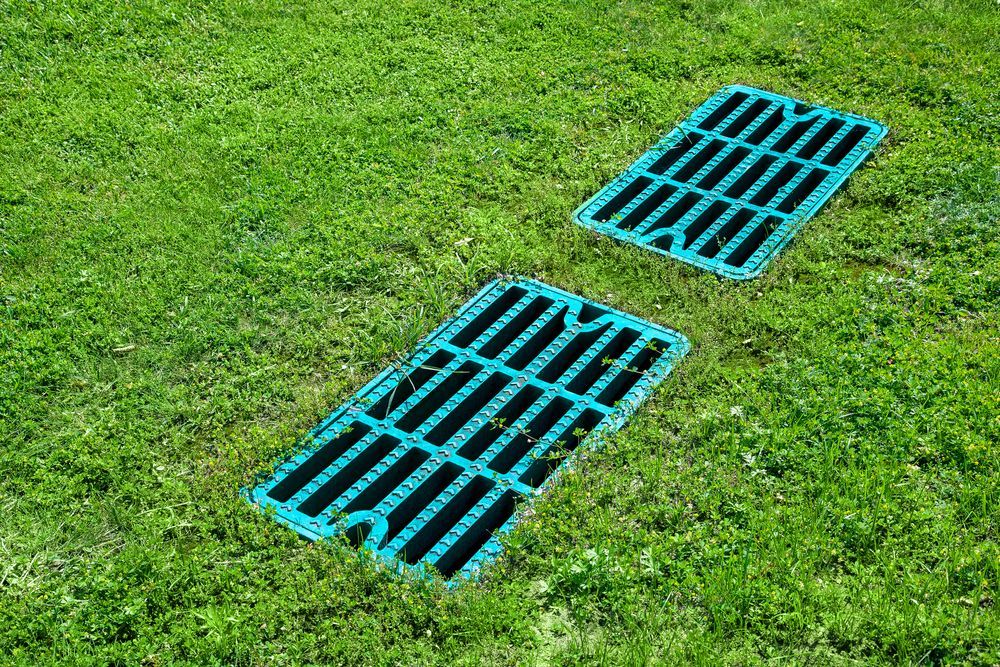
428 462
731 185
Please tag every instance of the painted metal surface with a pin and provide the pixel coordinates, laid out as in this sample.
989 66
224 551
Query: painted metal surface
427 463
729 188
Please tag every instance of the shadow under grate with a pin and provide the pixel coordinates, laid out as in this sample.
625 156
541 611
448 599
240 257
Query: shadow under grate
428 462
730 186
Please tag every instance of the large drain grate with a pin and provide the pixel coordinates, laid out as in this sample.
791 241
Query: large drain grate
729 187
427 463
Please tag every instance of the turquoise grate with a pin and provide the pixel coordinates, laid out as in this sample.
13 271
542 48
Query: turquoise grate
730 187
428 462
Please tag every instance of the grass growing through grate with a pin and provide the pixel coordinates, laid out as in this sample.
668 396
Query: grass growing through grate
218 221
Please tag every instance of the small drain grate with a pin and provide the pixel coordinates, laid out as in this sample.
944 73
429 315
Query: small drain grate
729 187
427 463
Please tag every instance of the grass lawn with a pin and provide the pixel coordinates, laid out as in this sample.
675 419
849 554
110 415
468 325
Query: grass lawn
218 220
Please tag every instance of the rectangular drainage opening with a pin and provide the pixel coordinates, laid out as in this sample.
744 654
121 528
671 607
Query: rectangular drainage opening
622 199
494 428
433 401
565 445
305 472
744 152
473 539
409 384
416 502
321 498
431 473
444 519
517 325
396 474
681 147
525 439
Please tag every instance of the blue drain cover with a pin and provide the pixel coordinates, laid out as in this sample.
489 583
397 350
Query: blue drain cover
729 187
427 463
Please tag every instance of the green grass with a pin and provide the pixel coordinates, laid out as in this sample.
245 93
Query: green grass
217 220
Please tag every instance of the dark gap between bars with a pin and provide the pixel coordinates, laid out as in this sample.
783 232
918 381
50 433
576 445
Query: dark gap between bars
507 415
752 242
517 325
438 396
453 512
472 540
467 409
490 314
319 461
377 491
347 476
409 384
420 498
522 443
566 444
634 370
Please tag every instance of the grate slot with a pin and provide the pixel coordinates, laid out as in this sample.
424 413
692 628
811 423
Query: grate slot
742 122
384 484
539 342
764 130
522 443
752 242
750 176
675 153
424 495
589 312
432 470
728 232
845 146
805 188
372 455
623 198
565 444
673 214
410 384
509 414
820 139
473 539
723 169
438 396
647 206
318 462
726 108
801 108
775 183
793 134
597 367
493 312
524 319
700 159
569 355
468 408
632 372
453 512
715 211
358 534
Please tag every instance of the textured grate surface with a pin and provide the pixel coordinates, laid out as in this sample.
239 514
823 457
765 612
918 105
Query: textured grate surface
427 463
729 187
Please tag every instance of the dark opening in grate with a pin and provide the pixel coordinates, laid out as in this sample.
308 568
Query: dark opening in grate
731 185
427 464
